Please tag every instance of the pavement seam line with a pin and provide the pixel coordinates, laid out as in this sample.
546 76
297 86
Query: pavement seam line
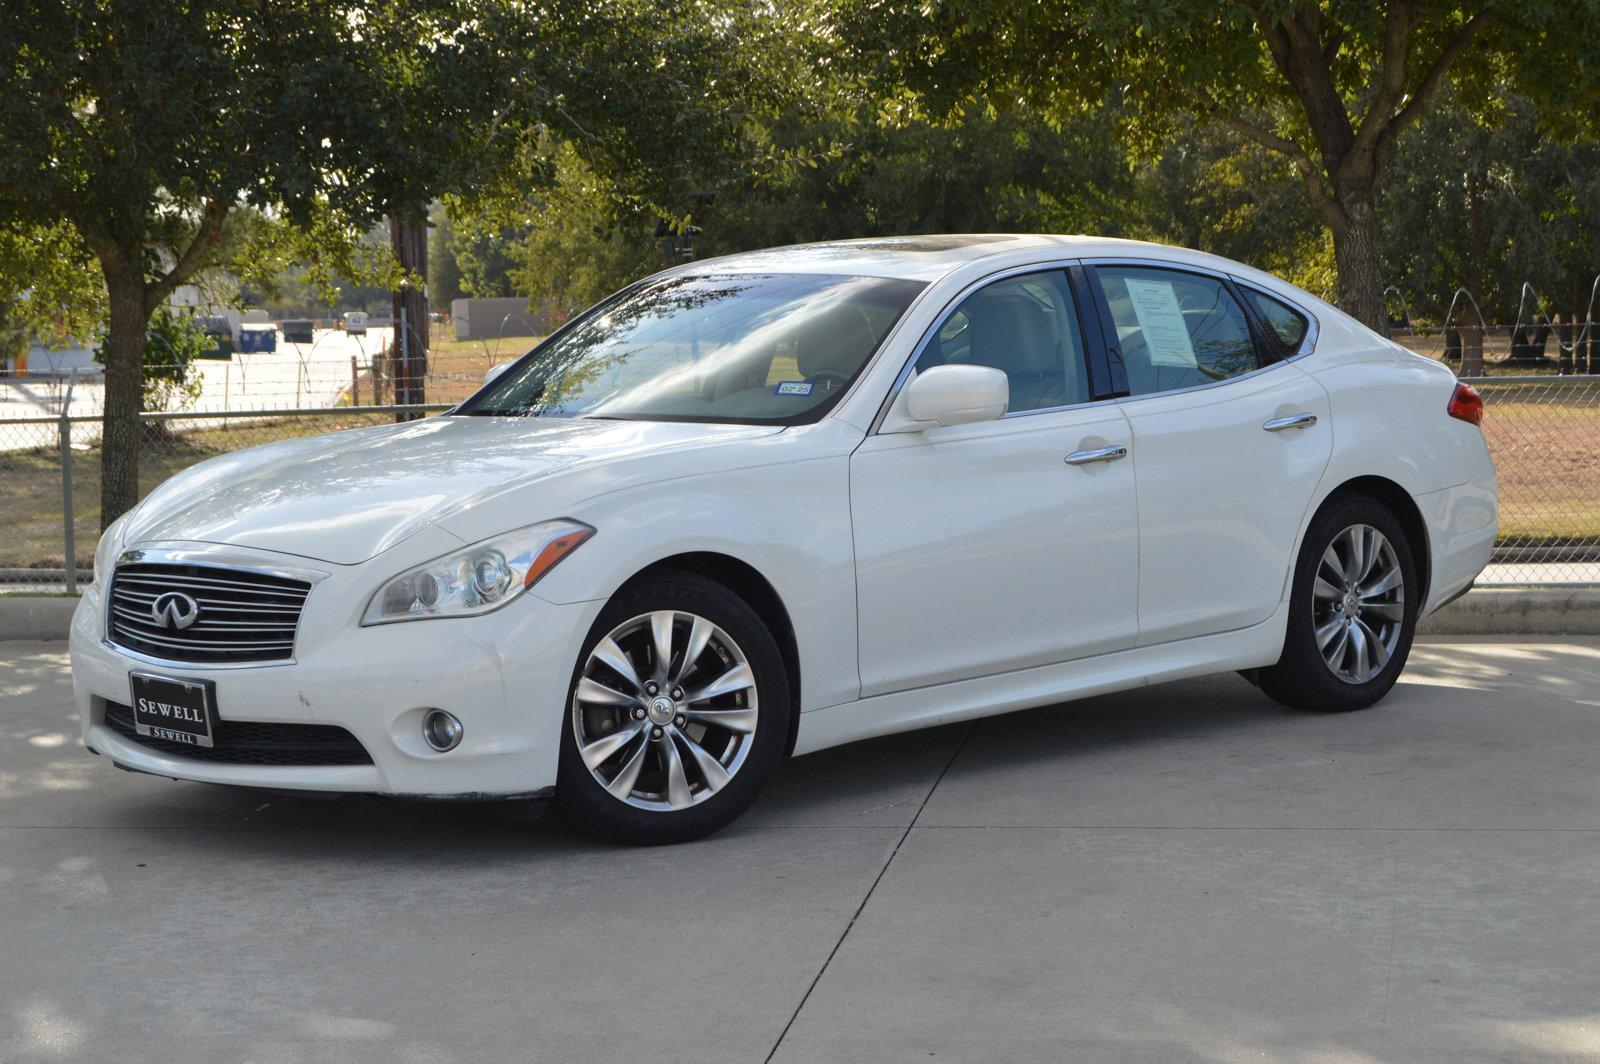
893 853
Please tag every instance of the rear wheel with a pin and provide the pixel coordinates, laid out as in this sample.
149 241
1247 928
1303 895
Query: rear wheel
1352 611
677 715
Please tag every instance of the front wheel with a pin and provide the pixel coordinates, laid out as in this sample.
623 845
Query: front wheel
677 716
1352 611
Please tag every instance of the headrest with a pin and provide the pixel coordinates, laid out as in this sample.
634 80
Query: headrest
835 338
1012 333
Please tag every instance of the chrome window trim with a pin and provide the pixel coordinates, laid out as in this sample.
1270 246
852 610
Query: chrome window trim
950 308
213 559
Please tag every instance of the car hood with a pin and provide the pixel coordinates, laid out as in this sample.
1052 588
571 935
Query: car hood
348 496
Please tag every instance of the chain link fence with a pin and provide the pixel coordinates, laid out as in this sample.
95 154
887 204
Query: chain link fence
1544 434
1542 425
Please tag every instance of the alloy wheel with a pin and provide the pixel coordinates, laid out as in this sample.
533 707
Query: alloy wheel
1358 603
665 710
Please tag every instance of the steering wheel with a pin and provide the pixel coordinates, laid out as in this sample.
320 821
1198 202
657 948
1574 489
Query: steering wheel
832 377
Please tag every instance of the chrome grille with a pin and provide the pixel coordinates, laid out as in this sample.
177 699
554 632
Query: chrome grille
242 615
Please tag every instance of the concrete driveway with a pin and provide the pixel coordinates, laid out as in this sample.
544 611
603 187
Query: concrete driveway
1185 873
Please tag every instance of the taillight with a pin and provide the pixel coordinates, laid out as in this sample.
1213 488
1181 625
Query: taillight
1466 404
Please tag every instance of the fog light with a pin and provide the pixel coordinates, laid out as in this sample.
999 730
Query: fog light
441 730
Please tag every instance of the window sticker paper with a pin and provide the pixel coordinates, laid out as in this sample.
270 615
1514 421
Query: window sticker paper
1155 304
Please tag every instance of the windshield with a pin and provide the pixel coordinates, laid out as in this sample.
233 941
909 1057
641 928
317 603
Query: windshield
746 348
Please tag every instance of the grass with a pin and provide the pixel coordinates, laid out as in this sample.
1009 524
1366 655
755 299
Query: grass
1548 457
1547 453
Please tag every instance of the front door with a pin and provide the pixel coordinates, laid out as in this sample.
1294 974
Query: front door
1003 545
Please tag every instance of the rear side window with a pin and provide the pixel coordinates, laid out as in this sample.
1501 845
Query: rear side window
1288 326
1175 329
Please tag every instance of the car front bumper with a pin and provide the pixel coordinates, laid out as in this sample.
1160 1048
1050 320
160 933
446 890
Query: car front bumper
505 675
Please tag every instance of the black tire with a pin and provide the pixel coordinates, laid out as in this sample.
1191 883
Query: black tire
1302 679
583 800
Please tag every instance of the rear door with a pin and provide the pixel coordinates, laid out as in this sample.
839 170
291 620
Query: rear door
1229 442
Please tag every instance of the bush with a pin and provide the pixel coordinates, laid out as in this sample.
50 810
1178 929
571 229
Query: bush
172 342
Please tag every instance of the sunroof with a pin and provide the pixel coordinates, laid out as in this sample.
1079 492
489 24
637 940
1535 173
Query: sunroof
923 243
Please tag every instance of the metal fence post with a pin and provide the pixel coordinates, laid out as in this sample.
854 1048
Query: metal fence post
68 518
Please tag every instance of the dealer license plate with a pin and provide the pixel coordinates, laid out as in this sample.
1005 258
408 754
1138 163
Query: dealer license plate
180 711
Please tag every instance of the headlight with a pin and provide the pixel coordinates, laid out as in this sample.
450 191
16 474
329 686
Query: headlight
479 578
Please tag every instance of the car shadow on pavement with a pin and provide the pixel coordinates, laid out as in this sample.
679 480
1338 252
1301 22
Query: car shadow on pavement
877 783
1178 730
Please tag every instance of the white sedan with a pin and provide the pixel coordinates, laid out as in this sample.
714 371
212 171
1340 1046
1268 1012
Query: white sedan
766 504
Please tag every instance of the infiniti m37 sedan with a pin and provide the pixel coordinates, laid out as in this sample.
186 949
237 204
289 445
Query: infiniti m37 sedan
762 505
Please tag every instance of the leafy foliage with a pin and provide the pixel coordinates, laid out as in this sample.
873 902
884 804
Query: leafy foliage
1329 85
1506 204
49 290
172 343
144 126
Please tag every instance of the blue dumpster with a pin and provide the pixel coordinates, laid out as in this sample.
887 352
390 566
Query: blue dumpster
257 338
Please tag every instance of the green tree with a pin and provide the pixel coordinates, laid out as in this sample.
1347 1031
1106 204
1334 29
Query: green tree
1329 87
1503 206
444 273
485 255
173 341
862 172
145 126
49 290
579 245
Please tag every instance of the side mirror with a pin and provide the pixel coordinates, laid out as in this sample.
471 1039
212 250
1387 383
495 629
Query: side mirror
495 371
950 395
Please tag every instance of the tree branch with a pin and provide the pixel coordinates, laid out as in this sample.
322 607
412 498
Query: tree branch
1296 46
1310 174
1429 85
1258 133
206 236
1397 27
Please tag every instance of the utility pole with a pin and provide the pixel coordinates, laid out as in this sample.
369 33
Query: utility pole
409 239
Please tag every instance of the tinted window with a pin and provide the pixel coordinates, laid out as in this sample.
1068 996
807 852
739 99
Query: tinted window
751 348
1026 327
1286 323
1175 329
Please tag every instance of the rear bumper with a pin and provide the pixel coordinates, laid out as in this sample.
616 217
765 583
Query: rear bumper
505 675
1462 523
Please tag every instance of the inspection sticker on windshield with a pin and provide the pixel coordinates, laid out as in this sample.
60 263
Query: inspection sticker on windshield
793 388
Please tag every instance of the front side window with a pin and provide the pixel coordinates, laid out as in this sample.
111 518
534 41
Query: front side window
744 348
1026 327
1175 329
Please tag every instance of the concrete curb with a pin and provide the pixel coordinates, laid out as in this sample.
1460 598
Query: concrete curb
1509 611
1519 611
36 616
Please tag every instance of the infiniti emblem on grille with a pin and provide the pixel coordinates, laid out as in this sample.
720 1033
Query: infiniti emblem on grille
175 610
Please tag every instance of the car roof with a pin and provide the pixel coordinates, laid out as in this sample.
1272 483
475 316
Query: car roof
930 257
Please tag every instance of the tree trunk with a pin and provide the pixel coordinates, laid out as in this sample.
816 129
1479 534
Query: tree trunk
409 239
124 392
1355 255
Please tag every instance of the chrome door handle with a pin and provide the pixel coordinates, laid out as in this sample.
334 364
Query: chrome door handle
1099 454
1293 421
